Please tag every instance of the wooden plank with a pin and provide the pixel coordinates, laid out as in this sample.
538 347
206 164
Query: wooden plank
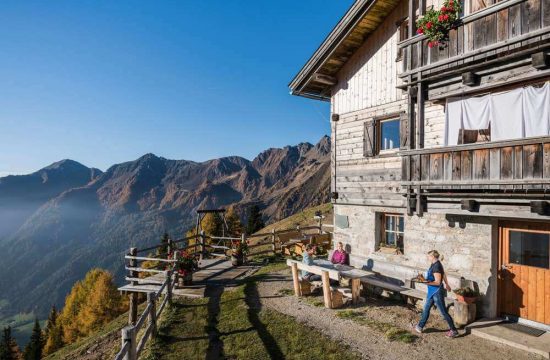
545 13
494 164
425 167
457 165
502 25
532 161
466 165
514 21
518 162
326 289
540 296
295 279
355 290
547 297
415 167
436 167
447 166
530 14
481 165
506 163
546 161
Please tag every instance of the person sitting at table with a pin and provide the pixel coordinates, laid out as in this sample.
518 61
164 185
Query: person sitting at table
307 258
340 256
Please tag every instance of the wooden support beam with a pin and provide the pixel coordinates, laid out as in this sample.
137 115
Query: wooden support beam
326 289
469 205
470 78
129 335
296 279
273 238
325 79
355 290
540 60
151 300
132 311
540 207
335 117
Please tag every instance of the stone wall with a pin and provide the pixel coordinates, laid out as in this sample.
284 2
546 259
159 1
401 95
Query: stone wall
468 247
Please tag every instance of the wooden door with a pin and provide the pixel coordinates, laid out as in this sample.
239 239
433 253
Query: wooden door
524 270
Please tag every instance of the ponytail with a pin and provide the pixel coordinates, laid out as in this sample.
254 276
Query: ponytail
436 255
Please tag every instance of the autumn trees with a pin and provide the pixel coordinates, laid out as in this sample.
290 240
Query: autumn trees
92 302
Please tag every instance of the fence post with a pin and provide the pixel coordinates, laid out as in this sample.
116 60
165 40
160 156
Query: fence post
273 241
203 247
297 227
132 313
169 248
243 241
320 221
129 335
169 285
151 300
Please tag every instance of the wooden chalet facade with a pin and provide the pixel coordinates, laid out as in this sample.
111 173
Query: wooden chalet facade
403 183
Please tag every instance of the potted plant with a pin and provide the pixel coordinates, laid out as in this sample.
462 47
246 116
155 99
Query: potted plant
184 267
466 295
436 24
239 252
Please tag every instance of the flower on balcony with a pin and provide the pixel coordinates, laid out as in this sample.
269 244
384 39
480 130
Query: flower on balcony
436 24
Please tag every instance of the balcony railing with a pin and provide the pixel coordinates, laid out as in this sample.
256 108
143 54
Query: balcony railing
504 27
515 164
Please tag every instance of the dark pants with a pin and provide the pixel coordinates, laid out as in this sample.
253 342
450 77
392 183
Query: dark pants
312 277
439 302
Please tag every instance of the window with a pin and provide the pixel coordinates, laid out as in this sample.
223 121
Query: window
393 227
389 135
386 135
530 249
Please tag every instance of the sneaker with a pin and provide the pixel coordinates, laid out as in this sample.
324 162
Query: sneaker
418 329
451 334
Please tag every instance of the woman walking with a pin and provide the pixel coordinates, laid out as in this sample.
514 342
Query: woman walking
435 277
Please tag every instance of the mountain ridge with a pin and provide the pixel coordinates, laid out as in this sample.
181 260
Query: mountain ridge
92 221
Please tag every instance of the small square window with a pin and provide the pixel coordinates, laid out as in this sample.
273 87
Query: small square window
393 229
389 135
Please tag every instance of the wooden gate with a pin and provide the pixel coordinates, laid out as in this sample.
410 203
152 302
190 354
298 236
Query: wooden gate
524 270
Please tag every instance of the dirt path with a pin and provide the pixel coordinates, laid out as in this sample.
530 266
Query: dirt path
370 342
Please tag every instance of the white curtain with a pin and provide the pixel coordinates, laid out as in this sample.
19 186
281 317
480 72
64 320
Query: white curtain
514 114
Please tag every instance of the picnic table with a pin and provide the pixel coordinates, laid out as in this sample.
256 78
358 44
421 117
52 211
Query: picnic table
329 271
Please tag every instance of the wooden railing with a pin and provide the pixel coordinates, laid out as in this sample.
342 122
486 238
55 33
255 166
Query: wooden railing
515 164
203 245
500 28
131 347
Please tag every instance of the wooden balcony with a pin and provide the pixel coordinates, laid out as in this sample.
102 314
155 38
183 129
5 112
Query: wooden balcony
522 164
500 31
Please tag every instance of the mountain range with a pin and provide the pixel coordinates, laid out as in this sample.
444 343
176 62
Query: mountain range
61 221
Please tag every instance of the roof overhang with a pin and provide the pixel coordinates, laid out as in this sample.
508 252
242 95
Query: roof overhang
317 77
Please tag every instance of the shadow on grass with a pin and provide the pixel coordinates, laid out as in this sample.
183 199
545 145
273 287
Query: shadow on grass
252 300
215 344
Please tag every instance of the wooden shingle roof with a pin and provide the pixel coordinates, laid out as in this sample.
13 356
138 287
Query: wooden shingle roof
317 76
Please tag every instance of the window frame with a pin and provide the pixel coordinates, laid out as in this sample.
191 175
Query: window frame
382 243
378 139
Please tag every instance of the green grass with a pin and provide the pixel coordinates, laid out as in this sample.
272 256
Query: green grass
234 325
285 292
303 218
315 301
73 350
391 332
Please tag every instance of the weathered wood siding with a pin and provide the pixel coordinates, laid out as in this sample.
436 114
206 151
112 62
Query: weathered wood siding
365 180
369 78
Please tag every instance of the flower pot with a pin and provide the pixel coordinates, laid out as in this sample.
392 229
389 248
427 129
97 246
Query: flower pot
466 299
237 260
185 279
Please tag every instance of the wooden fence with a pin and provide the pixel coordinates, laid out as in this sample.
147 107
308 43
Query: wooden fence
204 245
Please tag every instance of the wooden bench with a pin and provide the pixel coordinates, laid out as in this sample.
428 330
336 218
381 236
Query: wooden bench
331 299
407 293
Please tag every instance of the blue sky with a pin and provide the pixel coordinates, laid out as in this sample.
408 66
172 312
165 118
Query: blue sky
103 82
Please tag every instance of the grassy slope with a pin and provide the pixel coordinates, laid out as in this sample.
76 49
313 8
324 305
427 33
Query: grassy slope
235 326
303 218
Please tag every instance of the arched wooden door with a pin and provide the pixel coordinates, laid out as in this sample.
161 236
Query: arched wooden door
524 270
